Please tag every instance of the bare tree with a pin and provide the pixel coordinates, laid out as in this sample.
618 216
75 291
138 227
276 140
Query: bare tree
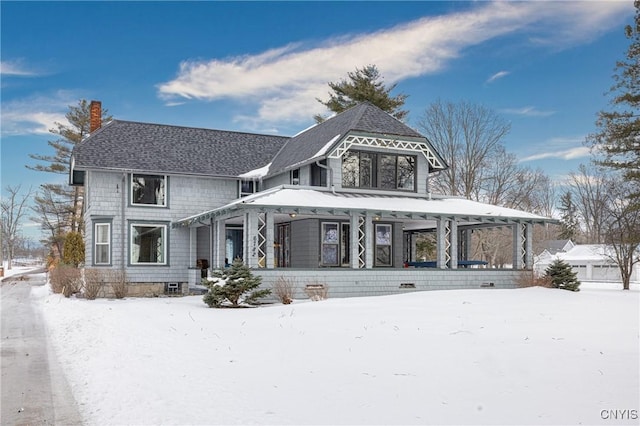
589 188
13 211
623 228
53 213
469 137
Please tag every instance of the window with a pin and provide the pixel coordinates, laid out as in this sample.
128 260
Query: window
319 174
345 244
383 245
102 243
148 190
247 187
329 243
295 177
382 171
148 244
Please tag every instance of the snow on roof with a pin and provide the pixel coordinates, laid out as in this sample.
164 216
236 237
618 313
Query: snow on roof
326 147
322 199
257 173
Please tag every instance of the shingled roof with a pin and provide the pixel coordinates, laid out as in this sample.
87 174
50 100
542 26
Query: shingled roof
364 117
127 145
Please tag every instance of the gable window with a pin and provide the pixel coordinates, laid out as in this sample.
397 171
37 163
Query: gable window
247 187
148 244
362 169
148 190
102 243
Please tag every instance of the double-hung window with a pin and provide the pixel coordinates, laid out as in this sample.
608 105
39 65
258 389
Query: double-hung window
383 245
148 190
102 243
148 244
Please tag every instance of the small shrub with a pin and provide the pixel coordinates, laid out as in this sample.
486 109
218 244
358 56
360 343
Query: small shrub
529 279
119 283
93 283
65 279
317 290
234 285
285 290
562 276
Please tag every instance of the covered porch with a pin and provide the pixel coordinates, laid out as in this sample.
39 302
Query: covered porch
356 238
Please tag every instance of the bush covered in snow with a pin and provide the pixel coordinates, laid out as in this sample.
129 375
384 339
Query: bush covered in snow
234 285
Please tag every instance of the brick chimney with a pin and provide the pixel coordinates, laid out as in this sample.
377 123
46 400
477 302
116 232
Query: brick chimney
95 116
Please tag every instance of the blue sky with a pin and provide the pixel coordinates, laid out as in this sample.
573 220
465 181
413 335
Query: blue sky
259 66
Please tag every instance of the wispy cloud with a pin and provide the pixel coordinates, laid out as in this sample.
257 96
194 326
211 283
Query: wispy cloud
285 82
567 154
528 111
36 114
497 76
16 68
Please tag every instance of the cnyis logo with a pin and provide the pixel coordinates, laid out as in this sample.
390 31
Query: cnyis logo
619 414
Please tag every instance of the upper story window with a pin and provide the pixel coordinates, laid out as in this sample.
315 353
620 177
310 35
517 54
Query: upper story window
295 177
319 173
362 169
247 187
148 190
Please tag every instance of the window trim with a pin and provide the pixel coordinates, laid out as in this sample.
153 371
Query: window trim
166 191
109 244
376 170
145 223
377 244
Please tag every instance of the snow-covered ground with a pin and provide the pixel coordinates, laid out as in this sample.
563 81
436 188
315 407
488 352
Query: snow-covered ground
526 356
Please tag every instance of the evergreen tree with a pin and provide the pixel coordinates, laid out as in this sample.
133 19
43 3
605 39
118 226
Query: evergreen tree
79 118
568 221
235 285
363 85
619 136
73 249
562 276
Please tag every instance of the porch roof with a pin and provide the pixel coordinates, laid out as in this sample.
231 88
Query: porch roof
322 201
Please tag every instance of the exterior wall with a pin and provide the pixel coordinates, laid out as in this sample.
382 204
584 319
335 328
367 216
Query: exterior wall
380 282
305 243
186 196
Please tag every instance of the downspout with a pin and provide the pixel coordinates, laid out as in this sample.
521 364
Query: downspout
329 177
122 221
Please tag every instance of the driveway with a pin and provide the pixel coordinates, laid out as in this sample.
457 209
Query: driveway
33 387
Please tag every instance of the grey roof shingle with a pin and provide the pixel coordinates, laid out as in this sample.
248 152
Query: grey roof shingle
363 117
127 145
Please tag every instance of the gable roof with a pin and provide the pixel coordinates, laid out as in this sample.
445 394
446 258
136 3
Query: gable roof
315 142
158 148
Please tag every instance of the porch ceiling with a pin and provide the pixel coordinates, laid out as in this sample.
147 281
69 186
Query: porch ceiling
410 209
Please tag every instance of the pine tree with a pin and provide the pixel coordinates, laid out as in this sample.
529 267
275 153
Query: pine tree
619 137
562 276
363 85
79 118
232 285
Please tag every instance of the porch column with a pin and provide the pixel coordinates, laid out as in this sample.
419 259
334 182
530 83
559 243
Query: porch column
368 240
270 241
354 255
528 247
453 244
443 246
219 244
518 244
193 244
251 239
